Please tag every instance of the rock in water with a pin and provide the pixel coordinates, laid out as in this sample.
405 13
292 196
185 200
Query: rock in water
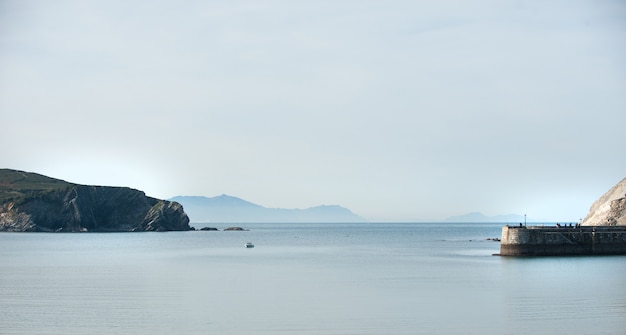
609 209
30 202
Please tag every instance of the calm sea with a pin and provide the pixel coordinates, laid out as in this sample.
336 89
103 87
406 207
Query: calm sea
386 278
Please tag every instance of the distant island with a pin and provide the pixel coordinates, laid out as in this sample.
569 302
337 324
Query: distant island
229 209
30 202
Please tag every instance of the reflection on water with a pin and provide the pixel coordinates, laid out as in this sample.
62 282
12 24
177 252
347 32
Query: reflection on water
302 279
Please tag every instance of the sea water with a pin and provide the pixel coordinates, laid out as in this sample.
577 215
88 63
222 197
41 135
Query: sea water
367 278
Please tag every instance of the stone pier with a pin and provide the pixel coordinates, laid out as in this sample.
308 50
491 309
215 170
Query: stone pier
562 241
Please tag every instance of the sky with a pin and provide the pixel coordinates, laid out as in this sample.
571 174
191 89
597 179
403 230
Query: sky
397 110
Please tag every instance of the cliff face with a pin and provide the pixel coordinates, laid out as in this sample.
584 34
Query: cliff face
31 202
609 209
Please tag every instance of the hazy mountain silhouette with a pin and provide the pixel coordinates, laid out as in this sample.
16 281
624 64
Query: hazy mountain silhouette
228 209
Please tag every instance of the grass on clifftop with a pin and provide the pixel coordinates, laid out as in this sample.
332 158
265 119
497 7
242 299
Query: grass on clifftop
19 184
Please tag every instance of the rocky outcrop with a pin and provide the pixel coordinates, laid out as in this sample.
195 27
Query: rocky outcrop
34 203
609 209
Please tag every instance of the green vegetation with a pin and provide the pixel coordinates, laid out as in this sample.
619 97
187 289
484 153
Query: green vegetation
17 185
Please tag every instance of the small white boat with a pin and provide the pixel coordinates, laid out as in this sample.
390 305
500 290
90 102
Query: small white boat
249 245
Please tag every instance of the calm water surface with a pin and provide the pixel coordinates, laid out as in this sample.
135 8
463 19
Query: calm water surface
302 279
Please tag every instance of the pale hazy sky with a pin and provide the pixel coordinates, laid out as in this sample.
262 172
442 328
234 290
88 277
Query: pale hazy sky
398 110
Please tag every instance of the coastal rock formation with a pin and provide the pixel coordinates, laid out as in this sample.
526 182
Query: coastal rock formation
235 229
30 202
609 209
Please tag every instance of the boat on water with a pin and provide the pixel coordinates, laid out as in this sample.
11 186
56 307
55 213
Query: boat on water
249 245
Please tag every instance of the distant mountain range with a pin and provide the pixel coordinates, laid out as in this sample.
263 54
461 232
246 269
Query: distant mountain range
480 217
229 209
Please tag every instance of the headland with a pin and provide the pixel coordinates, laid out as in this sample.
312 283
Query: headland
31 202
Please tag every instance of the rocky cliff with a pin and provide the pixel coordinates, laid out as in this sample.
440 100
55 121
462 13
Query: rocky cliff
30 202
609 209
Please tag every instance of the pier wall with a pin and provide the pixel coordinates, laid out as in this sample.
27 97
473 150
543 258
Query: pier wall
556 241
